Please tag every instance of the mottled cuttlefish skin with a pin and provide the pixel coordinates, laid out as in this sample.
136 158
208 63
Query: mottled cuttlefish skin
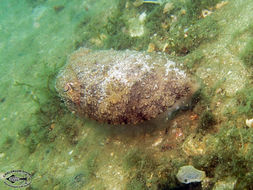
122 87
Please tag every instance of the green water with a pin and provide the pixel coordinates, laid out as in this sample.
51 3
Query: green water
39 135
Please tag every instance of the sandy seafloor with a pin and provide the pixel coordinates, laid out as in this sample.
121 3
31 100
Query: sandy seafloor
62 151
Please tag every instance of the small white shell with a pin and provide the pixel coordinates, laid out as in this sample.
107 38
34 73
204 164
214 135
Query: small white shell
206 13
157 141
249 122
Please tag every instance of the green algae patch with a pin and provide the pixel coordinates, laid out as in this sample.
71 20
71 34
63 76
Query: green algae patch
6 144
140 164
138 160
182 29
230 156
195 7
136 184
244 101
247 53
207 120
49 111
242 104
193 59
179 30
186 38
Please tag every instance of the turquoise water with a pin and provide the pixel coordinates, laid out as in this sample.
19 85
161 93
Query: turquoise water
39 135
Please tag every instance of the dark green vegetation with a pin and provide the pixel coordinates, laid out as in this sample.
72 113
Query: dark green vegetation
7 144
144 172
207 120
200 97
195 7
182 27
186 36
51 123
84 174
139 160
231 156
140 165
50 110
194 58
110 34
247 53
147 173
244 103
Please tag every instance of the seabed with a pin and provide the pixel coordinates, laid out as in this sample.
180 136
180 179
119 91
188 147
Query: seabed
212 39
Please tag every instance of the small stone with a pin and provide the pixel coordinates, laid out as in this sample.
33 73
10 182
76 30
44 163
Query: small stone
207 183
249 122
206 13
167 7
193 146
151 47
138 3
225 184
123 87
2 176
183 12
127 5
2 155
165 47
165 25
221 4
189 174
157 141
136 25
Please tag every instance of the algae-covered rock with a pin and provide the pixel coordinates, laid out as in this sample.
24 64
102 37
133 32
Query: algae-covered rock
225 184
122 87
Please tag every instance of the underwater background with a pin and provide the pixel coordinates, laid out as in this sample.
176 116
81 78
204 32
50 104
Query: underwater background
213 40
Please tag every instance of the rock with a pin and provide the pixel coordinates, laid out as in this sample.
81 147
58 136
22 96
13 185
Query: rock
249 122
225 184
136 25
189 174
168 7
122 87
193 146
